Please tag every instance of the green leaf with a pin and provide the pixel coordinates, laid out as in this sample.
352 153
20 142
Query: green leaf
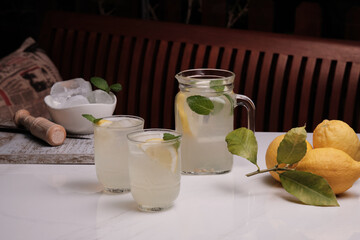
200 104
293 147
242 142
168 136
116 87
218 104
217 85
231 100
91 118
100 83
308 188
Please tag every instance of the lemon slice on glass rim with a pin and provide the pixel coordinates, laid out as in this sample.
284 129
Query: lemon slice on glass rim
103 122
164 154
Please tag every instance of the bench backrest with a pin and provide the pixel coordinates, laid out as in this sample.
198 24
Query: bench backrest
292 80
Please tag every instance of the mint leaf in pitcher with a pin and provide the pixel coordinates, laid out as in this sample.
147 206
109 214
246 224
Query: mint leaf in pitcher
231 100
200 104
217 85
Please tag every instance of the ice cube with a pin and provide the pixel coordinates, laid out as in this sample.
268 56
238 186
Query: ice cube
125 123
75 101
63 90
100 96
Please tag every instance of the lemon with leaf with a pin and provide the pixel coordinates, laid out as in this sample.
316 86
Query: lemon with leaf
271 156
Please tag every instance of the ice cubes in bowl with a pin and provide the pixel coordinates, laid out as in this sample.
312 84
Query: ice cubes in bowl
67 104
63 90
99 96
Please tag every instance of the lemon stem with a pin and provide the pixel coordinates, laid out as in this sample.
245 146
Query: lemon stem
274 169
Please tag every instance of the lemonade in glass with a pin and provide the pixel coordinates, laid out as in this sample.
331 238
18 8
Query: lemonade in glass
204 114
111 151
154 167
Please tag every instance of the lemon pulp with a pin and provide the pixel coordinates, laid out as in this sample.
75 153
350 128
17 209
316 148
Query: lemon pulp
103 122
166 155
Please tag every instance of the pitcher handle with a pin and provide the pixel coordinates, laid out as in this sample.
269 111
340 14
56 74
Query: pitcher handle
242 100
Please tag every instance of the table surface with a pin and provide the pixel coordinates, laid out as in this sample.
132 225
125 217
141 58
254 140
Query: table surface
60 201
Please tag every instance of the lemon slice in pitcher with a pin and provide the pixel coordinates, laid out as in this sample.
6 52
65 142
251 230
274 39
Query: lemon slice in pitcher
180 103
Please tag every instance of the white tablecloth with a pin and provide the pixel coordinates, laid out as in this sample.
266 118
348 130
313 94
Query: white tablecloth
66 202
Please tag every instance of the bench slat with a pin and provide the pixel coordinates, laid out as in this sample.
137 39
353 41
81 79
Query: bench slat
277 98
291 94
351 95
305 92
334 103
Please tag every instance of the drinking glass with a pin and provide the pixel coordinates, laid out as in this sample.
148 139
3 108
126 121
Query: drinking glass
204 114
154 167
111 151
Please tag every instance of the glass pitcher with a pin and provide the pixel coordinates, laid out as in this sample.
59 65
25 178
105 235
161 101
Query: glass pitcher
204 114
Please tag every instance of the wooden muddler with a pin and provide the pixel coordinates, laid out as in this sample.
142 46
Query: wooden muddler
53 134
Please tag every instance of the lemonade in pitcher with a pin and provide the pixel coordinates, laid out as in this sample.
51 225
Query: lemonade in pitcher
204 114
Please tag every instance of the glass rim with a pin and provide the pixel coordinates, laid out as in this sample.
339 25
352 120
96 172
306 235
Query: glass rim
202 71
141 121
205 77
130 136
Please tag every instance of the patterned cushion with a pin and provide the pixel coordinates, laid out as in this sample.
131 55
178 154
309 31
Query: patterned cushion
26 77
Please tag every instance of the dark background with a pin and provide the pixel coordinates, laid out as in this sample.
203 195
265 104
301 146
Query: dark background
337 19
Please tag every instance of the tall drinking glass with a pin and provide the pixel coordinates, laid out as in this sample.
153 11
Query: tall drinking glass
154 166
204 114
111 151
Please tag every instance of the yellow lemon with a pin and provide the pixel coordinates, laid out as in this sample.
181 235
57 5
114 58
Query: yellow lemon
271 155
337 134
154 140
180 105
164 154
336 166
103 122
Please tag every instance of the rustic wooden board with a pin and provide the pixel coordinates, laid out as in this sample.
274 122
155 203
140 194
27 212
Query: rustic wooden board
24 148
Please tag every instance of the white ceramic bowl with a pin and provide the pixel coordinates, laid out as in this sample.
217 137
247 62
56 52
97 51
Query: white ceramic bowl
71 117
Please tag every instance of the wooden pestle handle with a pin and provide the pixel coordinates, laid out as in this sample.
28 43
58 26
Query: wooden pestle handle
53 134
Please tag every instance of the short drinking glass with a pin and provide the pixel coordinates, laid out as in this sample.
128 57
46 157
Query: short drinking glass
111 151
154 167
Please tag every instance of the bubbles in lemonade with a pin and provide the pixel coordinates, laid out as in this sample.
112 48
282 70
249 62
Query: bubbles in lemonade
154 167
111 151
204 148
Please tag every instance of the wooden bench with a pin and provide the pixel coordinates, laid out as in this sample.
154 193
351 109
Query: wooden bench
292 80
